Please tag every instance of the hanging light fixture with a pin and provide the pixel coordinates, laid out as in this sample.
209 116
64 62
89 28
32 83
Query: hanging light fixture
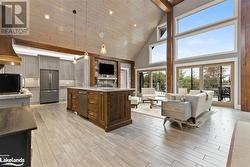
86 54
103 46
75 60
74 12
103 49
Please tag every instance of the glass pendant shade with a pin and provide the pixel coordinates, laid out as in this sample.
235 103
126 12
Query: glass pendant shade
86 55
103 49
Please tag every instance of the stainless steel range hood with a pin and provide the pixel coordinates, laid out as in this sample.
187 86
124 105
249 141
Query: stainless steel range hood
7 53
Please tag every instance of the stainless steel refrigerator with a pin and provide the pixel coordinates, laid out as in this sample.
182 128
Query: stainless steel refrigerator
49 86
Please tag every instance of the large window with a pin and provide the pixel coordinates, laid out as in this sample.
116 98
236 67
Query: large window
158 52
215 13
208 30
161 32
220 40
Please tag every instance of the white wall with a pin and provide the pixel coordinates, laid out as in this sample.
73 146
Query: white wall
142 59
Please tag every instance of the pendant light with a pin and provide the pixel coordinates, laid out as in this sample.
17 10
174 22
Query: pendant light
103 49
86 54
75 60
103 46
74 12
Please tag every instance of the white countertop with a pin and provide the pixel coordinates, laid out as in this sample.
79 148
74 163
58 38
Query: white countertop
25 93
103 89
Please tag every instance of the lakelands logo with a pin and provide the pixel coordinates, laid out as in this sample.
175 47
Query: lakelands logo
14 17
7 160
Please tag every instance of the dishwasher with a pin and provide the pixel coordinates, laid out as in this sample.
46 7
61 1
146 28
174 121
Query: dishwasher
83 102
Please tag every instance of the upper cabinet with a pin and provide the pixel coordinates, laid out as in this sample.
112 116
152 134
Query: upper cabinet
50 63
29 67
66 70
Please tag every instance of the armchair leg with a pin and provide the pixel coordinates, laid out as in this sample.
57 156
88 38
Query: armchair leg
165 120
180 124
194 120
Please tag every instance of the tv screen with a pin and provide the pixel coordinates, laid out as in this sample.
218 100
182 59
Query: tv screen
107 69
10 83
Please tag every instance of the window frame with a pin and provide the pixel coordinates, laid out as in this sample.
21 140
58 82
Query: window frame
150 51
204 30
201 8
158 31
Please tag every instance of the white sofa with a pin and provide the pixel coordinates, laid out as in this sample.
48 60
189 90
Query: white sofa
200 102
147 92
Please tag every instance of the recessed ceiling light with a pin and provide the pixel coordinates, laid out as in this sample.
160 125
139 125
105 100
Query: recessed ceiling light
135 25
46 16
111 12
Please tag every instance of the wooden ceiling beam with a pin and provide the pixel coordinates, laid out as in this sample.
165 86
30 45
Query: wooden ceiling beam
165 5
37 45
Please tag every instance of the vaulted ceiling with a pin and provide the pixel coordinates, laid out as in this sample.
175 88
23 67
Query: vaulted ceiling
122 39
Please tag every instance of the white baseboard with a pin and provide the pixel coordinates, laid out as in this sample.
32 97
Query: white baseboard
237 107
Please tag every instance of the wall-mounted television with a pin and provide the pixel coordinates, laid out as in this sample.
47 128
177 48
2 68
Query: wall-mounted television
107 69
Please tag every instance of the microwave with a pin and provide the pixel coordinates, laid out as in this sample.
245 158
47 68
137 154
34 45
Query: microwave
10 83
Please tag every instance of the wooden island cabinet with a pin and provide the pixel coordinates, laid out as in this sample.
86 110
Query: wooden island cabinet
108 108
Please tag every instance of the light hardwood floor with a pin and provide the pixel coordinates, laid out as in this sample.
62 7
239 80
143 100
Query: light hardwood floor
67 140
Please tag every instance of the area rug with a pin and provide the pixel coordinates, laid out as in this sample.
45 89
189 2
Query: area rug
144 108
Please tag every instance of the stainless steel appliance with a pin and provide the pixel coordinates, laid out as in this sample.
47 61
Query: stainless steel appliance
49 86
83 98
10 83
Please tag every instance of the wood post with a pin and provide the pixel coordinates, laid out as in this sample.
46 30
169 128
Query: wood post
169 78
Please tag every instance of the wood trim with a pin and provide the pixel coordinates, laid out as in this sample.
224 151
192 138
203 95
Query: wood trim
46 47
109 58
165 5
169 55
38 45
245 55
118 74
133 75
118 62
92 71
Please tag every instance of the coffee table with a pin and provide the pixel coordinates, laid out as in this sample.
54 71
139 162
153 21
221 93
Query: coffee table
156 99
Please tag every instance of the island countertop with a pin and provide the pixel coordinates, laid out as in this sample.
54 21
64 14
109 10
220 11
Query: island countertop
16 120
24 94
103 89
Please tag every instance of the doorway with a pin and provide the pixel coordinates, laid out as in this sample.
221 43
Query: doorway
124 78
152 79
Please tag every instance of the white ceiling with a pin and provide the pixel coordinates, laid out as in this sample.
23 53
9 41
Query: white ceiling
122 39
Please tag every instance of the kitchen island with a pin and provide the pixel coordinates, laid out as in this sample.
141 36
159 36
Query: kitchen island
108 108
16 125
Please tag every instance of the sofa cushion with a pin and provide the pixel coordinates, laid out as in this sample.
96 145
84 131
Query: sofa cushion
194 92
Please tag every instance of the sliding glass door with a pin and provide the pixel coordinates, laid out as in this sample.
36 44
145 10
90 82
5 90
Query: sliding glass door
219 79
189 78
216 77
152 79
